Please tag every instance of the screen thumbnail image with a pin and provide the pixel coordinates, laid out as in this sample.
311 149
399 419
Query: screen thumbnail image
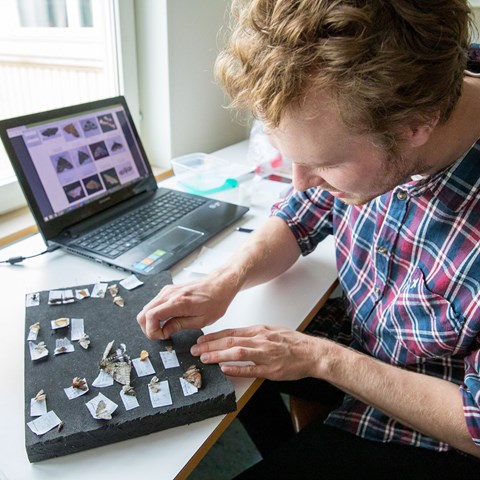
82 157
92 184
107 123
115 145
71 131
126 172
74 192
49 133
110 178
99 150
63 166
90 127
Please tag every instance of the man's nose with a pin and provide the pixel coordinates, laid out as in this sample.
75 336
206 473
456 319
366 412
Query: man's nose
305 177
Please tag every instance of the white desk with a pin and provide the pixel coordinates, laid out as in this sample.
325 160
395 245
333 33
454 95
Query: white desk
171 453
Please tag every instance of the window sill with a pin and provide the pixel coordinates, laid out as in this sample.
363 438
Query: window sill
16 225
19 223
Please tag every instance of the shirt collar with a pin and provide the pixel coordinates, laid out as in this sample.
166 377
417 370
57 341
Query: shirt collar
455 186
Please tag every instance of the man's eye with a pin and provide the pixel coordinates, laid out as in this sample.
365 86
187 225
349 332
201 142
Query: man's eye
326 167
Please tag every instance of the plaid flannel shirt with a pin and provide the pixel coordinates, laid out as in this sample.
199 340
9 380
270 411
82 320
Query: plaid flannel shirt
409 264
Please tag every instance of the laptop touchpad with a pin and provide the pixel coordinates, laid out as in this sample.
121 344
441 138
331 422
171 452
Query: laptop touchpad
176 238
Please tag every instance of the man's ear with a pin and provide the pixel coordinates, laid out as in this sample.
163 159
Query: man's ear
419 131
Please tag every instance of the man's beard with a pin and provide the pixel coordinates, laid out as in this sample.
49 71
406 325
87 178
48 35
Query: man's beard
396 171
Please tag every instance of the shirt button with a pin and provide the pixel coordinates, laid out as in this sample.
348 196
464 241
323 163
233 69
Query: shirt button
378 291
401 195
382 249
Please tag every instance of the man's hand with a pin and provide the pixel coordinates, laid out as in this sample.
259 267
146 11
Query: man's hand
275 353
267 253
190 305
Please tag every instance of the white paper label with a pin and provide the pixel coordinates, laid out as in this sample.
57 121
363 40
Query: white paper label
35 352
99 290
162 397
38 407
77 328
60 297
169 359
129 401
32 334
68 296
55 296
93 403
187 387
32 299
82 293
72 393
143 368
131 282
63 345
103 380
43 424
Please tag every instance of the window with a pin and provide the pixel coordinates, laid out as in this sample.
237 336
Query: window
55 53
55 13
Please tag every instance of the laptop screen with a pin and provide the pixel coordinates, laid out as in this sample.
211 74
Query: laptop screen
74 160
77 161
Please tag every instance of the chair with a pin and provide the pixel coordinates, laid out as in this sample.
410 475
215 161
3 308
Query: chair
303 412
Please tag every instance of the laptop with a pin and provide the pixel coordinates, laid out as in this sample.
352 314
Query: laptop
91 190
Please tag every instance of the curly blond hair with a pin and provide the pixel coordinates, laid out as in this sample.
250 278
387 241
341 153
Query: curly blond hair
386 62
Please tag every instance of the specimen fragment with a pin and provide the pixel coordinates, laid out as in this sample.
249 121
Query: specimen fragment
192 375
118 365
84 341
101 411
113 289
128 390
118 300
41 395
154 384
80 383
35 328
101 407
63 345
60 323
37 351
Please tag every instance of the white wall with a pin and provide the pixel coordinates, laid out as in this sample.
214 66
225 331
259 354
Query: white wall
476 35
182 108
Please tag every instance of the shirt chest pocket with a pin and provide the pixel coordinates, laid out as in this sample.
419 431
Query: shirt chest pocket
423 322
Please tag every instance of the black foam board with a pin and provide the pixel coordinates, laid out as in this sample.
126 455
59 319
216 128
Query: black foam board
104 321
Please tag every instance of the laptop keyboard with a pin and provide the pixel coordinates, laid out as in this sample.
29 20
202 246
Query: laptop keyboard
118 236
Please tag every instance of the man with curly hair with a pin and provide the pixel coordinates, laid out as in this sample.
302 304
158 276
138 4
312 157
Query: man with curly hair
377 106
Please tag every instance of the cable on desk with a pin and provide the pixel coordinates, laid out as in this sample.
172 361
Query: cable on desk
19 259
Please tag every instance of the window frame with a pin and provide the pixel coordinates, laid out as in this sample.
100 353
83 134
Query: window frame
123 52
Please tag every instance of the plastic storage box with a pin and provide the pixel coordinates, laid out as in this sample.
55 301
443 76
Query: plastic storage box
202 172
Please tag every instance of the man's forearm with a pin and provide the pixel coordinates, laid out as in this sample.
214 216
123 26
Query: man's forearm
426 404
270 251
